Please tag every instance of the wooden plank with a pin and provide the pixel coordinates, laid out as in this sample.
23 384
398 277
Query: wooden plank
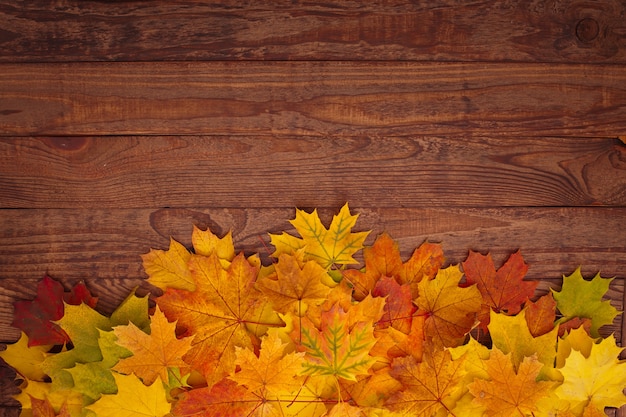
312 98
103 247
260 171
563 31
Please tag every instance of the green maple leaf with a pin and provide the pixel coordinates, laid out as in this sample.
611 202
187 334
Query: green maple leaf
581 298
86 366
328 247
338 349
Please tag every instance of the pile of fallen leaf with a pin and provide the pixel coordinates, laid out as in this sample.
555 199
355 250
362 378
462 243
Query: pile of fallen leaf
309 336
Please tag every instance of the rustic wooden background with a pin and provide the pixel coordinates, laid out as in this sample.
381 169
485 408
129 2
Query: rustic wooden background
491 125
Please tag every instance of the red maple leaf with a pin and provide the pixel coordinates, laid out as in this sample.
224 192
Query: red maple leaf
36 318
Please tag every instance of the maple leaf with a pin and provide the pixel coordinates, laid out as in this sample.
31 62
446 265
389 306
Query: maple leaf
168 269
86 367
503 290
399 307
58 399
219 313
43 408
205 243
598 378
154 353
424 264
337 349
383 259
26 360
581 298
511 334
36 318
507 392
428 386
541 315
295 285
328 247
133 399
273 373
450 309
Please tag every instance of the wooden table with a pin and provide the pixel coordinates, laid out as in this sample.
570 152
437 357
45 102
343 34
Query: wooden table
489 126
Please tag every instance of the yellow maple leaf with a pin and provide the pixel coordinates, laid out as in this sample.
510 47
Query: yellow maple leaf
450 309
511 334
26 360
507 392
168 269
154 353
333 246
597 379
205 243
133 399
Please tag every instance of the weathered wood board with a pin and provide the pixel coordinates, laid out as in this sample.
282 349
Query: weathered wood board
487 126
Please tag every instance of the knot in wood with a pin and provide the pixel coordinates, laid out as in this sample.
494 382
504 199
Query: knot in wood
587 30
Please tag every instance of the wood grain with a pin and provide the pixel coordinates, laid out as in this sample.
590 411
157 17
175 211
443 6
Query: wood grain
243 171
102 246
312 98
442 30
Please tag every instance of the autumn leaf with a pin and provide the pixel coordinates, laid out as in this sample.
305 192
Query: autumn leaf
26 360
273 376
168 269
205 243
43 408
221 313
36 318
511 334
133 399
582 298
541 315
508 392
224 399
503 290
450 309
428 386
295 285
399 307
328 247
58 399
382 259
424 264
154 353
598 378
337 349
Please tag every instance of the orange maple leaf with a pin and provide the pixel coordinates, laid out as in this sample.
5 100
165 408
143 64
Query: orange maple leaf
503 290
450 309
508 393
541 315
382 259
427 386
154 353
295 285
223 312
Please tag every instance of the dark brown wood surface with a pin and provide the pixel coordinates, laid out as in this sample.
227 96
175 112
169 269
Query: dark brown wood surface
313 98
490 126
439 30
